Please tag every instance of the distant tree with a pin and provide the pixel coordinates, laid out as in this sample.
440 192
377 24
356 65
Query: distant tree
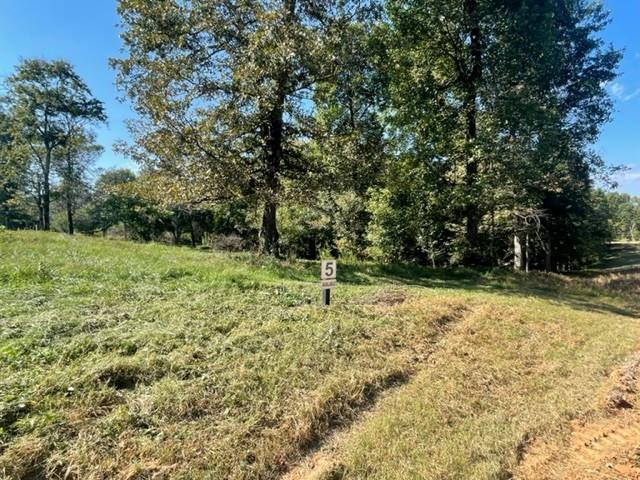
624 215
44 99
111 203
72 162
14 211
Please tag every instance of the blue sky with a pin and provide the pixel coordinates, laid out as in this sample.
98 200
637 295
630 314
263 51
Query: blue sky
620 140
84 33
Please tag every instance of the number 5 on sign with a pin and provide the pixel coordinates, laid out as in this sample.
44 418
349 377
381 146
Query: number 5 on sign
329 270
328 275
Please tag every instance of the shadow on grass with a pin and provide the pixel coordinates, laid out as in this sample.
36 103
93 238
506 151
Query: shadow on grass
501 281
505 282
621 256
488 280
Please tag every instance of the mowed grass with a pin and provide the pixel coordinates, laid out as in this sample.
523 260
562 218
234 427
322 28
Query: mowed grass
518 368
120 360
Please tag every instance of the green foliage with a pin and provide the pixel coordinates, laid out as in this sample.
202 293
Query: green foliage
117 202
624 215
435 131
47 102
410 216
498 103
15 210
72 164
110 206
351 223
305 231
225 93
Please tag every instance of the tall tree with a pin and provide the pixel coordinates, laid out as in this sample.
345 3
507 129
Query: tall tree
438 86
226 91
72 162
548 108
498 103
470 76
42 97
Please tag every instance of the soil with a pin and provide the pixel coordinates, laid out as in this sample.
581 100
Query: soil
605 446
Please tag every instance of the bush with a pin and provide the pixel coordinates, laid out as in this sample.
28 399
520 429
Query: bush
230 243
351 222
305 231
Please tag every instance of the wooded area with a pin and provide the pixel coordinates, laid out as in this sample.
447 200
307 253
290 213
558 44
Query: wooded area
432 131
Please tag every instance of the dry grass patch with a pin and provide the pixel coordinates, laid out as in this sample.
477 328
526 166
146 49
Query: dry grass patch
626 283
506 374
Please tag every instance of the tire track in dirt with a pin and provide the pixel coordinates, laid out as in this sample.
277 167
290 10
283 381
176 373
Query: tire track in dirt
603 448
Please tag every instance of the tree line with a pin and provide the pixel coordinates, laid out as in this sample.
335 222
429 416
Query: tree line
443 132
624 216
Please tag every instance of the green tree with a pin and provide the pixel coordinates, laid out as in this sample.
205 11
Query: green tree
226 91
439 76
624 216
14 211
112 204
42 97
72 162
498 103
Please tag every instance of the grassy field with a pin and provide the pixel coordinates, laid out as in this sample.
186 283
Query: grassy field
120 360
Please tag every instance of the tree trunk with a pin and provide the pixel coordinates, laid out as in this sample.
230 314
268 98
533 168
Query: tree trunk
40 225
473 215
176 233
269 236
526 253
492 250
46 192
192 232
548 257
518 253
46 206
471 209
70 216
433 254
273 136
69 191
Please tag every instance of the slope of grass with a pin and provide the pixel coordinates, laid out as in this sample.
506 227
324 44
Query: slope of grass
120 360
505 376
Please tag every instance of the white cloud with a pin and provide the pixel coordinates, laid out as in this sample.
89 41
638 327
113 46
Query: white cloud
631 96
619 91
628 176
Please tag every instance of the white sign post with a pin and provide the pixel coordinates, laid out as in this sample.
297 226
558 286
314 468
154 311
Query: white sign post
328 275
